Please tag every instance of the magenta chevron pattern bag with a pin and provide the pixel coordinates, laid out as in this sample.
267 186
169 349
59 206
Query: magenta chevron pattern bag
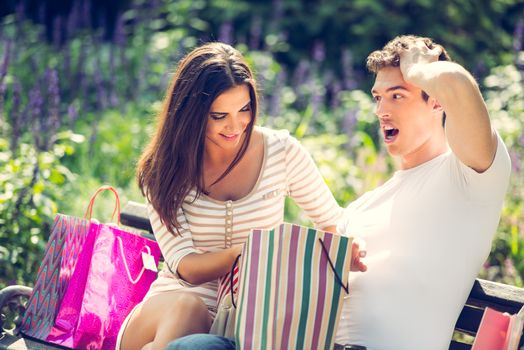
67 238
292 283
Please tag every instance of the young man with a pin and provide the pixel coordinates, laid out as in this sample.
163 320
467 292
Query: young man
429 228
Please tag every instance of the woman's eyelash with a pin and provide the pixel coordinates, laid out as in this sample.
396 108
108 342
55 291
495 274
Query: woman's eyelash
217 116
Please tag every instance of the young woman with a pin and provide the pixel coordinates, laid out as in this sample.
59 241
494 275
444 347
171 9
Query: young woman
210 176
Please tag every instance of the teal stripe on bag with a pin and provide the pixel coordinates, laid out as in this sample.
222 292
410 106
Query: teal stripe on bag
267 292
339 267
241 296
310 243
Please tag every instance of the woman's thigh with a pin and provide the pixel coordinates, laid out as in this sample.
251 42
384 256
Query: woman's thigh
169 309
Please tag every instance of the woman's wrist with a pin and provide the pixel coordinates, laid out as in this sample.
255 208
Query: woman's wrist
236 250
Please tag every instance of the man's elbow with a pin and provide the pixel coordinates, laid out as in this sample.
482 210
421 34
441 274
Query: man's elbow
484 158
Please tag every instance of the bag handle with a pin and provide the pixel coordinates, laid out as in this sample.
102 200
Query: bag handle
231 280
337 277
89 210
134 281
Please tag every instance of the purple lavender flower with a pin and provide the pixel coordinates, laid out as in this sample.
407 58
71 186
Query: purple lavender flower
86 14
319 51
349 81
66 54
255 33
2 97
278 10
518 36
80 81
41 12
226 32
509 267
53 93
113 98
19 20
119 36
336 88
35 114
275 105
20 11
3 73
515 161
72 19
72 114
15 116
350 121
57 31
100 89
301 72
5 60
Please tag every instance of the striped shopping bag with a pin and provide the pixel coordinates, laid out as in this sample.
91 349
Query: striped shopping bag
292 283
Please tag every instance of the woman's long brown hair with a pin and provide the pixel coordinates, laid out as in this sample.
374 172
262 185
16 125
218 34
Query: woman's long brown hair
172 164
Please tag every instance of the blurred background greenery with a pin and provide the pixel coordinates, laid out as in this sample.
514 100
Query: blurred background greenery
81 81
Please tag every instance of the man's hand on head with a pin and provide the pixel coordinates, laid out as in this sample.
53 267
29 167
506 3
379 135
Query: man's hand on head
417 53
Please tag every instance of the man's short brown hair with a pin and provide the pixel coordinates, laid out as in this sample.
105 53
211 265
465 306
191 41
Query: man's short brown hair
389 55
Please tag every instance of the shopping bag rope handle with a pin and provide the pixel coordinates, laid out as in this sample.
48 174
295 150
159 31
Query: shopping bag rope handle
339 280
116 210
134 281
231 280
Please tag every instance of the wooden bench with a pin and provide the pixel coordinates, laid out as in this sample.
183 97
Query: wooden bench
484 293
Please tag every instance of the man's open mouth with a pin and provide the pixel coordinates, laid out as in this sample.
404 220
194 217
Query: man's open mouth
390 133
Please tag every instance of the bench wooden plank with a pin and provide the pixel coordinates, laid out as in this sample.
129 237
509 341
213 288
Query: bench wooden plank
469 319
10 342
499 296
135 215
459 346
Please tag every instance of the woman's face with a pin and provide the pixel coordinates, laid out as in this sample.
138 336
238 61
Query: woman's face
229 117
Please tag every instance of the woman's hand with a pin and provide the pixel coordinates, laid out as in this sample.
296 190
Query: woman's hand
356 255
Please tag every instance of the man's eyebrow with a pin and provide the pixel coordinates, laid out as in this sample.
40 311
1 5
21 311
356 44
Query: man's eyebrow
393 88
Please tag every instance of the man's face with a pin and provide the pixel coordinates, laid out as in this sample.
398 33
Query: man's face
407 122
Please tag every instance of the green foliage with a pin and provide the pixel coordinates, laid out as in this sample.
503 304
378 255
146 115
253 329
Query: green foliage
505 100
308 58
114 143
31 183
477 33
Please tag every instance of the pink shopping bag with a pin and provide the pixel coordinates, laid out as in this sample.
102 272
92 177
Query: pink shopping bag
114 272
499 330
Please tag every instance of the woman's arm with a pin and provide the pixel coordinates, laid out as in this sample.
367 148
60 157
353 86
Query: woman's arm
183 258
200 268
308 189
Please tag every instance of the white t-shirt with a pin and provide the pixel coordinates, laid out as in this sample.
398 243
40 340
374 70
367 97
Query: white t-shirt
427 232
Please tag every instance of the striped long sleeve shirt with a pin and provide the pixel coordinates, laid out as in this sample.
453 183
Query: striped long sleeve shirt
210 225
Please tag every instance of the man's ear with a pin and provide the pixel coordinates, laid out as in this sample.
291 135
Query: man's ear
435 105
